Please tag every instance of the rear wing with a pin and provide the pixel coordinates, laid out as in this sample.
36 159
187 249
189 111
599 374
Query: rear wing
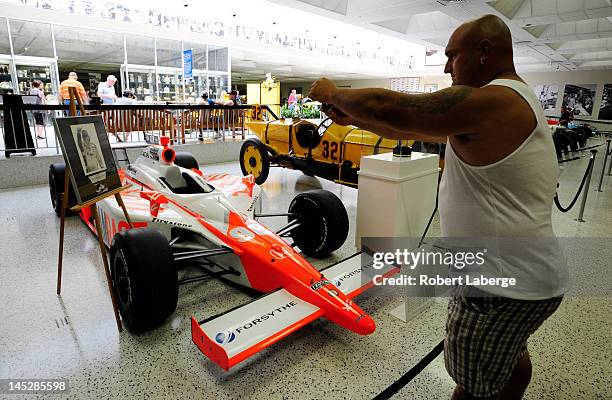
235 335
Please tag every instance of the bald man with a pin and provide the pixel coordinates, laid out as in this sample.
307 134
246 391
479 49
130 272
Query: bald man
499 181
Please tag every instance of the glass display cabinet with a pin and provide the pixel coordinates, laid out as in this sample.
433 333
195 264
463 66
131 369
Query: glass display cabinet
170 84
141 81
6 76
217 83
44 72
195 87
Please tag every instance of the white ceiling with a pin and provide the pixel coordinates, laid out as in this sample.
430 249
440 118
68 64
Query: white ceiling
549 35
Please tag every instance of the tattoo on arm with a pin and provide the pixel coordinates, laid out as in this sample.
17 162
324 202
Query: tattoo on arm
437 103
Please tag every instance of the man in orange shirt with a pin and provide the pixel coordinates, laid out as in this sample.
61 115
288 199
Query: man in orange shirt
64 95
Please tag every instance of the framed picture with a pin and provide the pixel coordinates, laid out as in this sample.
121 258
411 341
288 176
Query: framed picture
548 95
605 110
88 156
579 98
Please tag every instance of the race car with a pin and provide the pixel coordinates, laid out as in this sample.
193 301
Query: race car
316 147
182 217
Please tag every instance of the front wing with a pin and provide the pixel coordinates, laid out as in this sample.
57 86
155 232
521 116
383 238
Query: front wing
237 334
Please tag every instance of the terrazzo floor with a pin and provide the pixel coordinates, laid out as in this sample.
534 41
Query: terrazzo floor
74 336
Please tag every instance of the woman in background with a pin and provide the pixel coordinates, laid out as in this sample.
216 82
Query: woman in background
37 90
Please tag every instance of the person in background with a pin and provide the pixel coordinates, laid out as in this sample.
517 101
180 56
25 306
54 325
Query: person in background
72 81
565 117
127 98
106 90
37 90
204 100
229 102
293 99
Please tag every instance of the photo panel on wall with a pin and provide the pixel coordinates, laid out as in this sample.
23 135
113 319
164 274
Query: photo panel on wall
579 99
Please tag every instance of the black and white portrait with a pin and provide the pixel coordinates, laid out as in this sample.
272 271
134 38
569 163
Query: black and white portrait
88 155
605 110
548 95
88 148
579 98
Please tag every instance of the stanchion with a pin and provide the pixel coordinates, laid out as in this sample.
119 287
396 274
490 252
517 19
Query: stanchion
610 168
603 169
586 189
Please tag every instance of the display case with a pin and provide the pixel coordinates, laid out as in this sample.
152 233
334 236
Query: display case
170 85
44 72
141 81
217 83
195 87
6 77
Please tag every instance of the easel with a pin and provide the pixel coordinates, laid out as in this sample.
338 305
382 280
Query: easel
75 98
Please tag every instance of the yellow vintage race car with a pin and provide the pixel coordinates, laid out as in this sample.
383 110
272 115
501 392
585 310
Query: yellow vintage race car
315 147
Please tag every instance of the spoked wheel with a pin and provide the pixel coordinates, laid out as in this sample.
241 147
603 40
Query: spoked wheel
254 160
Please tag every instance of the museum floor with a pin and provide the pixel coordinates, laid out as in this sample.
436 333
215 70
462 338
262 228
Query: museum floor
74 336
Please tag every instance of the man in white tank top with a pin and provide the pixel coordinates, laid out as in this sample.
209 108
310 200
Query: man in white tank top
498 183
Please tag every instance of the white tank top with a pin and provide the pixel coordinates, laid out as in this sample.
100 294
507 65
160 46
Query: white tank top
509 202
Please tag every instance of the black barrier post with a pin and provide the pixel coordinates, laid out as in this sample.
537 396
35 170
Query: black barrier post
610 168
586 190
603 169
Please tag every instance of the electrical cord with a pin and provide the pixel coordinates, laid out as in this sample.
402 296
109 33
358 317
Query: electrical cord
586 173
436 206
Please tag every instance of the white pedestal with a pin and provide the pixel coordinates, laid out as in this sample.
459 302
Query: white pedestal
396 197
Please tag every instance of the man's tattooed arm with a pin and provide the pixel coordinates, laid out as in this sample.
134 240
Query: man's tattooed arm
438 102
450 111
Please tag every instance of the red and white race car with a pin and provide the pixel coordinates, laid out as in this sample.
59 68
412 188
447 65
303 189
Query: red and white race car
182 216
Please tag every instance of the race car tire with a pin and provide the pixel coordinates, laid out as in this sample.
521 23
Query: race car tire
186 160
324 222
144 278
56 188
307 136
255 160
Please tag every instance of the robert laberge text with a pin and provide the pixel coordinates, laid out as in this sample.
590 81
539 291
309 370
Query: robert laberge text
437 280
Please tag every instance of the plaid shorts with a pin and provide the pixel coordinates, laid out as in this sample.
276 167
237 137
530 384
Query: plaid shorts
486 336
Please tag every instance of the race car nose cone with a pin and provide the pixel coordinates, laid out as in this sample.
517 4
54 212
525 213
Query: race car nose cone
365 325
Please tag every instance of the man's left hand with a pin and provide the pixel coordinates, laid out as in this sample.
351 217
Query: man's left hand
323 90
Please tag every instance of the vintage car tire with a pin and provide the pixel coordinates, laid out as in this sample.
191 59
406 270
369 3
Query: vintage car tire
56 188
307 136
144 278
325 222
255 160
186 160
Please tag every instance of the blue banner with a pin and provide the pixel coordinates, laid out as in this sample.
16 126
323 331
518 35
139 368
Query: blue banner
188 64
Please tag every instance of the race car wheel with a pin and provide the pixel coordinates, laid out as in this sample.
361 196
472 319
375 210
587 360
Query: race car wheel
56 188
324 222
186 160
254 160
144 278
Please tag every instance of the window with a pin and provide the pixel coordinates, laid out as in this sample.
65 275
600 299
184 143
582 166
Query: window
199 54
88 46
217 58
31 38
169 53
5 47
140 50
